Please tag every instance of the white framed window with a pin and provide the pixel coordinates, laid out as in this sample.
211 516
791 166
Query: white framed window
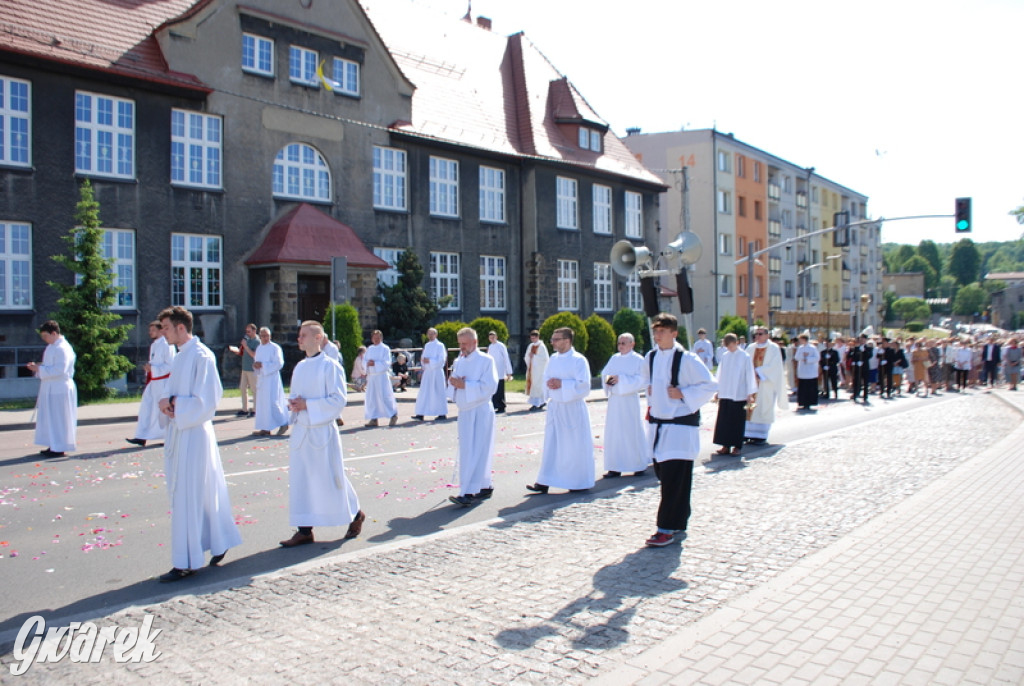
492 195
568 285
119 246
602 287
389 276
567 202
757 172
302 66
789 254
584 138
724 161
15 265
741 286
634 299
104 135
724 202
589 139
602 209
492 283
301 173
741 166
634 215
787 184
388 178
345 75
196 268
444 278
195 149
595 141
257 54
15 122
725 285
725 244
788 288
444 187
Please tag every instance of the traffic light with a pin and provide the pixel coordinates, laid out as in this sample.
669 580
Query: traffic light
963 215
841 236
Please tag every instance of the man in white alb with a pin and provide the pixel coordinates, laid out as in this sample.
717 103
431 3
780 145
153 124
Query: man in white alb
625 439
57 404
471 388
271 406
380 396
536 359
432 398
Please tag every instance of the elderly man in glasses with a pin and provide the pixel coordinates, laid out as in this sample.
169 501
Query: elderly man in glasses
771 389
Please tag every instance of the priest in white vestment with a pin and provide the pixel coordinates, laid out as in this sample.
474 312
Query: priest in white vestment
471 387
625 439
737 386
201 517
771 389
152 424
431 399
57 403
380 396
568 456
319 492
536 359
271 405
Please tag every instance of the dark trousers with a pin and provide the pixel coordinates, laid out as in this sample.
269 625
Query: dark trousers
961 378
830 379
498 399
989 372
676 477
860 380
885 380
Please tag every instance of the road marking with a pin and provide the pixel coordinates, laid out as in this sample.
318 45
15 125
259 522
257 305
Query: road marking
347 459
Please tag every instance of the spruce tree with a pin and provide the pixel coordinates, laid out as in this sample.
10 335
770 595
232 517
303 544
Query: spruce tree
83 308
406 309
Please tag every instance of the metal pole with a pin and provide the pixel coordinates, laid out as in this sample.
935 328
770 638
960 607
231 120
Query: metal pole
750 286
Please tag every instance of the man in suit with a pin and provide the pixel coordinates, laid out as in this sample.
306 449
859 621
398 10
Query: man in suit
830 369
991 356
860 356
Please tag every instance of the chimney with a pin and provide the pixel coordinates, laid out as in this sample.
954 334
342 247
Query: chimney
633 131
484 23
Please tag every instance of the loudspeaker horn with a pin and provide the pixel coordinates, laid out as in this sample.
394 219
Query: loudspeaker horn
684 250
626 258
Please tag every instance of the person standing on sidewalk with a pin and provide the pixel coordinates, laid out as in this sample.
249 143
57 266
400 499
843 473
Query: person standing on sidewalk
625 441
679 385
737 386
807 369
536 359
319 493
380 396
271 407
1011 363
247 380
152 424
431 398
471 387
568 456
57 404
201 518
829 370
503 362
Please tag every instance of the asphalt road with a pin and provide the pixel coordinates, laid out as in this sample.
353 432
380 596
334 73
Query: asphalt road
89 533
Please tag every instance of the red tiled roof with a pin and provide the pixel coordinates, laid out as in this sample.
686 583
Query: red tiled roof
109 35
485 90
305 235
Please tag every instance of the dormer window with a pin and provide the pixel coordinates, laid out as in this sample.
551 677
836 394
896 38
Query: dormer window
589 139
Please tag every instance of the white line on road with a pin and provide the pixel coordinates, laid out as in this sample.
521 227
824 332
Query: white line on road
347 459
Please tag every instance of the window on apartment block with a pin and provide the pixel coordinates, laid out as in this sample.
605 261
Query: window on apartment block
758 213
388 178
741 286
634 300
757 172
492 283
568 285
196 268
566 198
602 209
758 286
15 122
741 206
444 278
492 195
741 166
389 276
444 187
724 202
302 64
725 244
725 285
602 287
104 136
345 75
15 265
788 286
634 215
724 164
195 149
787 184
301 173
257 54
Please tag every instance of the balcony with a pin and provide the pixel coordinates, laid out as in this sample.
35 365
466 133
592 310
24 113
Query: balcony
774 229
801 199
773 191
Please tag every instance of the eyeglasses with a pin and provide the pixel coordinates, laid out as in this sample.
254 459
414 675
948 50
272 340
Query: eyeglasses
557 338
760 333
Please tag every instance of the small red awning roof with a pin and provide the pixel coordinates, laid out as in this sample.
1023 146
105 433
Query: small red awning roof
305 235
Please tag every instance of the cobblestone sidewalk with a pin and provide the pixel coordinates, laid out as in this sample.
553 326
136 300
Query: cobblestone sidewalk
554 597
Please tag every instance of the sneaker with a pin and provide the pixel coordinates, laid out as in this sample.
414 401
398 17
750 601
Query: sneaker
463 500
659 540
484 494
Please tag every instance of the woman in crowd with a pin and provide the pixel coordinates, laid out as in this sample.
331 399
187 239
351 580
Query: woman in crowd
359 370
919 360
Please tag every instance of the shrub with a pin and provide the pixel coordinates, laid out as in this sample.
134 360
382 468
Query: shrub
447 333
631 321
731 324
557 321
914 327
601 342
347 332
484 325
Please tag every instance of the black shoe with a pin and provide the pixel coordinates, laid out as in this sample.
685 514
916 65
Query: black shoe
418 417
536 408
640 473
242 413
500 411
252 413
537 488
578 490
484 494
217 559
463 500
51 453
175 575
611 475
141 442
441 418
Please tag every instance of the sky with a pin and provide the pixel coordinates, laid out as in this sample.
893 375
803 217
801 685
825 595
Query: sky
910 103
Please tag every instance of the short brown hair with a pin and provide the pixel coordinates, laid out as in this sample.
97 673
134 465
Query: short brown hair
50 326
664 320
177 315
566 332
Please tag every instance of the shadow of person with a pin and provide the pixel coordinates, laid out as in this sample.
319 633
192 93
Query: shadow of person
427 522
601 618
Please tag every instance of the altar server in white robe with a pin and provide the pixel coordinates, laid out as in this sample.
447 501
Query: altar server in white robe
771 391
152 424
536 361
432 398
57 404
271 405
737 386
201 517
380 396
471 387
568 457
625 439
703 349
319 493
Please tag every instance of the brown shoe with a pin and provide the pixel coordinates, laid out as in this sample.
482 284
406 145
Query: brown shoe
282 430
356 527
260 433
394 420
372 422
298 539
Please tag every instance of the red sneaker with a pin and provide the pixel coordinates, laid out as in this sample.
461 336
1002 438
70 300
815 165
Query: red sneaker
659 540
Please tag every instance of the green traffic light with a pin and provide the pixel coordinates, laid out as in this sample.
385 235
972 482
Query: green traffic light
962 225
